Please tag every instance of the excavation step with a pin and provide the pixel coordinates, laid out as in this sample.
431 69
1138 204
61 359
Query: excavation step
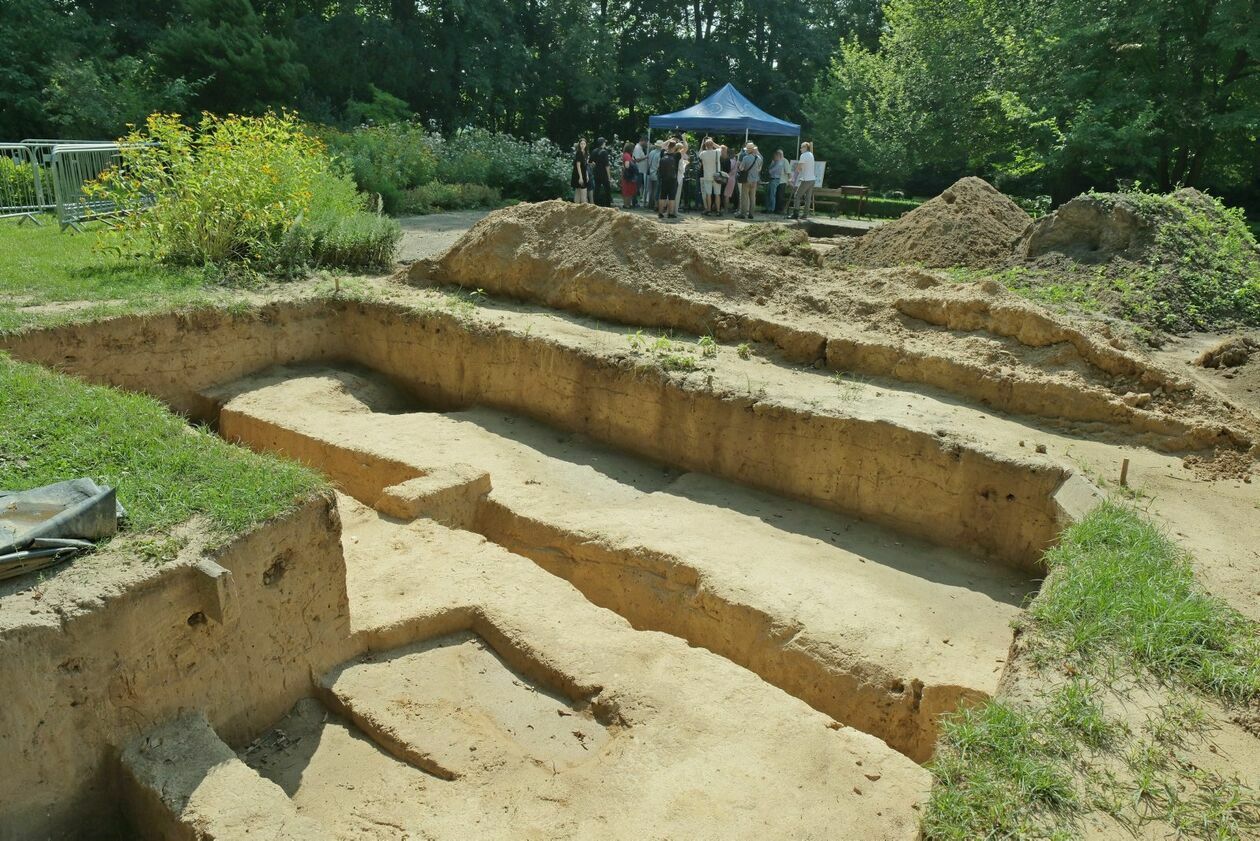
181 781
473 647
451 707
859 621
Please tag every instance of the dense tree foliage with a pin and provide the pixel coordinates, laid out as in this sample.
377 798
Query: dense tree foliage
530 67
1042 96
1051 95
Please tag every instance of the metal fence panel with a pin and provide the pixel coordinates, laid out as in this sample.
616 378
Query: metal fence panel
73 166
21 183
42 148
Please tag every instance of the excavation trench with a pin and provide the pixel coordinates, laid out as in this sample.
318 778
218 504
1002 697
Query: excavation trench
832 552
908 474
855 619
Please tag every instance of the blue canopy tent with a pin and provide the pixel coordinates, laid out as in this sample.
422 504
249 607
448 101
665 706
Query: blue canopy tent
727 111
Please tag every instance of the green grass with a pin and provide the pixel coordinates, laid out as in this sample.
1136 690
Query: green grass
53 427
1120 586
1119 608
41 266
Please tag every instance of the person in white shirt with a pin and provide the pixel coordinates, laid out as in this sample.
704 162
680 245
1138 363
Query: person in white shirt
803 197
640 158
710 189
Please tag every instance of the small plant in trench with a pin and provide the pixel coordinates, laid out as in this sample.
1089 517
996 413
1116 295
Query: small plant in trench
668 354
850 389
678 362
743 350
463 304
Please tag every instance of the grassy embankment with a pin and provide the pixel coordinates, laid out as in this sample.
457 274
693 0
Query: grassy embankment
1120 629
47 277
1195 266
54 427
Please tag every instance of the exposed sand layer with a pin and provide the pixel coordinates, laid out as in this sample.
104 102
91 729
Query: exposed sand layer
674 741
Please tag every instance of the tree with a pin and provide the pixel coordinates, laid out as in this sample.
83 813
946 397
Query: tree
100 98
223 46
1157 90
35 34
1058 96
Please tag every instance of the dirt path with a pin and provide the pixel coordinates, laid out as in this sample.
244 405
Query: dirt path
428 236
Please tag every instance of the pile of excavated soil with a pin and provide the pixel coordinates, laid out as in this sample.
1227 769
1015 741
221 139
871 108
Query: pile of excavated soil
554 251
1175 262
970 224
775 240
1231 353
1222 464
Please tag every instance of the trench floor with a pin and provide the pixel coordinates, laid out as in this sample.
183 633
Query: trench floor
554 718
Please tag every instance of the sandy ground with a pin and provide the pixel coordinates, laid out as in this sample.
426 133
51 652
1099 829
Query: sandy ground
557 719
1241 385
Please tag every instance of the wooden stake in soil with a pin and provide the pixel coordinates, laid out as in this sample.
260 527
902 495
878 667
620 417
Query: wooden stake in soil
1124 473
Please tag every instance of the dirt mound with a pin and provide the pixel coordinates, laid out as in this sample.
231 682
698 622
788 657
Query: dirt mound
555 252
909 324
1231 353
970 224
1176 262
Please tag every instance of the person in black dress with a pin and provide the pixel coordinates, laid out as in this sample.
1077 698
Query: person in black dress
601 177
578 172
667 175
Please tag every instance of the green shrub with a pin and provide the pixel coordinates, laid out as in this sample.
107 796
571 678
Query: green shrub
17 181
431 198
252 190
875 206
386 159
359 241
532 170
223 191
394 159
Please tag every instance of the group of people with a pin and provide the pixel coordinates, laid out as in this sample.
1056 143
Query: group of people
667 176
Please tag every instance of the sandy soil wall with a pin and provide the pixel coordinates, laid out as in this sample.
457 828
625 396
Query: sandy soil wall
119 663
651 594
883 472
177 355
879 471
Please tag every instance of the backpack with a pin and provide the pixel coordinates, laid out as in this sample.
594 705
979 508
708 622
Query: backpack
629 171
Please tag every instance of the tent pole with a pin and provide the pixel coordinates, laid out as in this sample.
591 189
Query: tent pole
745 137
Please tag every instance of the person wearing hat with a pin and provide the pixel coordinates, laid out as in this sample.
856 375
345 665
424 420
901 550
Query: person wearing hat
749 176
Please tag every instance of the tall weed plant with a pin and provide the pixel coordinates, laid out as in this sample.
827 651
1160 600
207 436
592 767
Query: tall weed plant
255 190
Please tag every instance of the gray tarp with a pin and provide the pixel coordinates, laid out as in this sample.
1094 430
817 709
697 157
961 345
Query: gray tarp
43 526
